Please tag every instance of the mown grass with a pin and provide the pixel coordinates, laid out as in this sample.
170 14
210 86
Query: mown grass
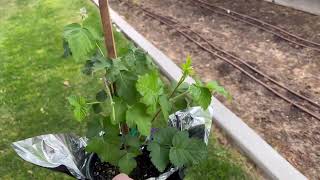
34 78
35 81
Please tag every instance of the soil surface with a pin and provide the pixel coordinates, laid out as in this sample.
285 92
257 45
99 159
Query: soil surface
293 134
144 170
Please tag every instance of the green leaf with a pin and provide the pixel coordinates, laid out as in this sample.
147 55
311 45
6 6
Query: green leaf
201 95
121 43
80 107
130 58
87 68
97 108
133 144
138 61
132 141
101 96
159 147
164 136
96 63
80 40
159 156
126 87
136 115
108 146
66 49
120 108
101 63
93 128
150 87
116 69
143 63
186 151
127 163
187 67
213 86
93 24
165 106
107 149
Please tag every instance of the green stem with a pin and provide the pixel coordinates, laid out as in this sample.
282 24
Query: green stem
99 49
183 77
178 96
179 83
90 103
110 97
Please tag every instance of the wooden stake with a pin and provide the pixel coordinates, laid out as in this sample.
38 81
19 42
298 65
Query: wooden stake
107 28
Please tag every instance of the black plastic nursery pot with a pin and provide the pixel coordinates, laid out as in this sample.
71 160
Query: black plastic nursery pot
97 170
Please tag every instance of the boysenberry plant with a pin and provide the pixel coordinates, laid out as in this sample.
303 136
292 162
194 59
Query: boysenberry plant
133 93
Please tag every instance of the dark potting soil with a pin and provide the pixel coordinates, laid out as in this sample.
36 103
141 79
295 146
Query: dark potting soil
144 170
104 171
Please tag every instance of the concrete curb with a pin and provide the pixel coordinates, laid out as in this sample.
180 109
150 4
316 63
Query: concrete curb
310 6
260 152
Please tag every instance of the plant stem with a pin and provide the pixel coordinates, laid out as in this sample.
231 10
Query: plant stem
99 49
179 83
178 96
90 103
110 97
183 77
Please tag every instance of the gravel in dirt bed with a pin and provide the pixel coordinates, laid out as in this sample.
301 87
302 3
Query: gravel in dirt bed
292 133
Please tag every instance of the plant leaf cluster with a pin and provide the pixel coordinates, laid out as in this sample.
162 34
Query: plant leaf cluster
172 146
134 94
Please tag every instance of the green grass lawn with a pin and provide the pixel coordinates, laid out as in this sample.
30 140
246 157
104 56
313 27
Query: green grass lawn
33 76
35 81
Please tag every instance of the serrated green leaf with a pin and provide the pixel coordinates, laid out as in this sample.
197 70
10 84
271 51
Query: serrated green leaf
213 86
80 107
93 24
185 150
164 136
107 149
130 58
126 87
124 81
116 69
159 156
101 63
127 163
150 87
96 63
136 115
138 61
201 95
165 106
143 63
160 145
120 108
80 40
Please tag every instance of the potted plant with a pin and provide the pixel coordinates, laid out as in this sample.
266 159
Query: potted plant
129 132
